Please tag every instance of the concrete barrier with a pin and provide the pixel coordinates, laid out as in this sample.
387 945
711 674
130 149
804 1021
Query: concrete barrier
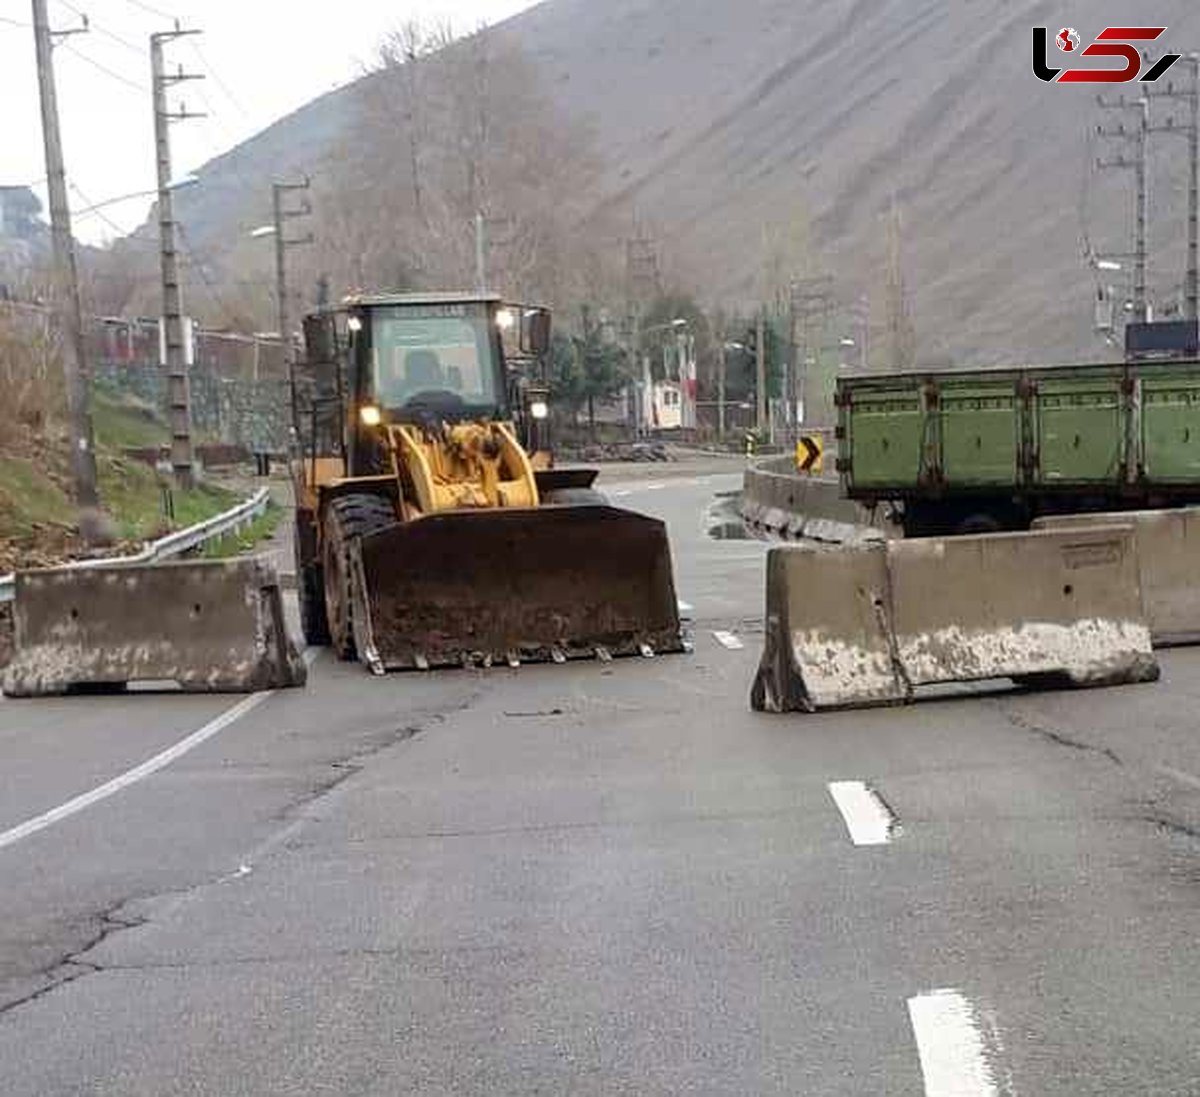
213 626
1020 605
870 625
828 643
1168 551
776 499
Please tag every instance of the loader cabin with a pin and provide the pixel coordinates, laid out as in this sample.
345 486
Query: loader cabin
424 358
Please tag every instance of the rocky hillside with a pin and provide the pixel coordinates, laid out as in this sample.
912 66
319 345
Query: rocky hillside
799 122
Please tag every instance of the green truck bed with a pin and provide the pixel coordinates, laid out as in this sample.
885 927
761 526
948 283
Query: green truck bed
970 451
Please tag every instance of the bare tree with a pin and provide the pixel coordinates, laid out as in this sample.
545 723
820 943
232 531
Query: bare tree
446 130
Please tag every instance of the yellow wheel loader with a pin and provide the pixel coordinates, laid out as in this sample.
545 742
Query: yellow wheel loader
431 526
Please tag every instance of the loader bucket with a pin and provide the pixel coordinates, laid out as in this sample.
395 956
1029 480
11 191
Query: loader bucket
211 627
510 586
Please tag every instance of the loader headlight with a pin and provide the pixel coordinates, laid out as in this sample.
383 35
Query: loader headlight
539 409
505 320
370 415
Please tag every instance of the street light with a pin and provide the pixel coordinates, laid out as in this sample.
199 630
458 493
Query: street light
678 322
261 231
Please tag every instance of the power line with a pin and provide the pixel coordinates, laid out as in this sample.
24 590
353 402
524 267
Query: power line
124 235
218 81
196 264
103 30
149 9
15 22
141 89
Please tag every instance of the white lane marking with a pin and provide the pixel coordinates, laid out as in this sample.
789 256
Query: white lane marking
954 1058
132 776
146 769
729 641
865 814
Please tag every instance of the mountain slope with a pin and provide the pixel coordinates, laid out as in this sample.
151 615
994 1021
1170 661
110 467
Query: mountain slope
802 120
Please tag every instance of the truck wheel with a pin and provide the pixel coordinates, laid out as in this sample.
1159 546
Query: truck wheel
978 524
348 518
310 589
575 497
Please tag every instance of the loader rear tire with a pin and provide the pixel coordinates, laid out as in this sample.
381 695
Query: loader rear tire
310 590
348 518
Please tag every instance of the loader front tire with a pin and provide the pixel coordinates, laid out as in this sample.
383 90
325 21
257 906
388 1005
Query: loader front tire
347 519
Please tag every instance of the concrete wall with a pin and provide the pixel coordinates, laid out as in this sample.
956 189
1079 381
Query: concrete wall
776 499
254 414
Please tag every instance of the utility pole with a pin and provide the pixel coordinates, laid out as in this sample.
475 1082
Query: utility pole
480 253
645 283
1139 134
67 305
760 371
279 193
175 341
900 330
721 378
810 307
1191 96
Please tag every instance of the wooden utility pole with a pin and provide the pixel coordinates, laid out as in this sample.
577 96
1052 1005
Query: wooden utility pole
67 307
175 342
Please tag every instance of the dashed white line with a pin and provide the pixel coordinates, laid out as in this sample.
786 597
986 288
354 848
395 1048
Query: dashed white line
729 641
138 773
867 817
954 1059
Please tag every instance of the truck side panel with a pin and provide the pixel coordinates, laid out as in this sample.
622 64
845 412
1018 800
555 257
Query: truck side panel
885 432
980 433
1171 427
1079 430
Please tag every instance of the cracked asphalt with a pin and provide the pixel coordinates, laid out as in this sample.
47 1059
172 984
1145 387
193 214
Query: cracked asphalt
601 879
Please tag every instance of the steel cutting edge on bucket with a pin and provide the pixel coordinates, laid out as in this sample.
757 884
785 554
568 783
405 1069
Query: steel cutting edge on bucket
211 626
868 626
515 586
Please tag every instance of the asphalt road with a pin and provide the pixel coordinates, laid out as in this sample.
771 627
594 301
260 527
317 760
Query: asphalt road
606 879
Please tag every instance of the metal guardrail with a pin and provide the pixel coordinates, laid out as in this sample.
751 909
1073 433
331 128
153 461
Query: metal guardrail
174 544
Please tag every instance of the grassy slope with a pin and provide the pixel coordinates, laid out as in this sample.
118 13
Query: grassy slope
37 515
250 538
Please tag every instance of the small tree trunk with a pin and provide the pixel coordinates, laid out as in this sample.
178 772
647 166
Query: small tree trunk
592 418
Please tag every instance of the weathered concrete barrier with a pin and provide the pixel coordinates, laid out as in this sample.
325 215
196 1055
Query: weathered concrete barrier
777 500
868 625
828 640
212 626
1168 551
